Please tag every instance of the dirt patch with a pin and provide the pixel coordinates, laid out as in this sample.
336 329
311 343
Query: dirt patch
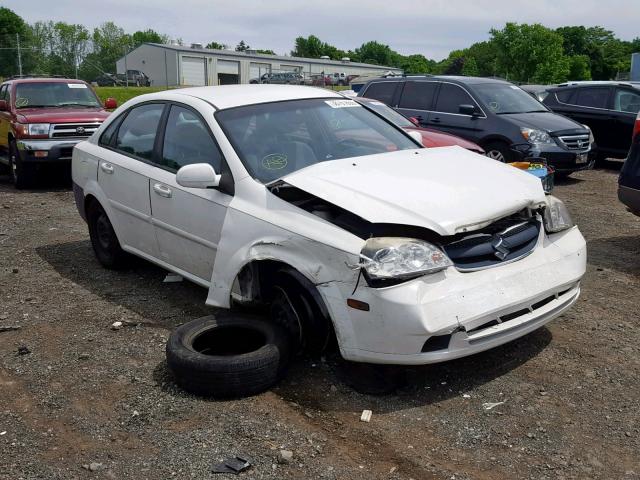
86 393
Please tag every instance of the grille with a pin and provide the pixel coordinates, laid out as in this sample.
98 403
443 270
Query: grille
78 130
575 142
504 241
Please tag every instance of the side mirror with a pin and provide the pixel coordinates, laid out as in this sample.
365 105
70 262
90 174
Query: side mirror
3 106
197 175
417 136
110 103
468 110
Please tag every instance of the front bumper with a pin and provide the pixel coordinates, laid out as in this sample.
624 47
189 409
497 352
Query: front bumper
562 160
47 151
466 313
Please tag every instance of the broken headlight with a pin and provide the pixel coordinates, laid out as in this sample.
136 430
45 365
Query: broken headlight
556 215
395 258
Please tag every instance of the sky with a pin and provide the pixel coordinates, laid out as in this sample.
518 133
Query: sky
430 27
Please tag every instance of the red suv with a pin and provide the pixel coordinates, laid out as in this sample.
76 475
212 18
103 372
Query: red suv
41 119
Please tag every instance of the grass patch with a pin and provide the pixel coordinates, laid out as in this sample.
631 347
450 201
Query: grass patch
122 94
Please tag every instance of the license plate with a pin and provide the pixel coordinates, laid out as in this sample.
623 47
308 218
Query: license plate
581 158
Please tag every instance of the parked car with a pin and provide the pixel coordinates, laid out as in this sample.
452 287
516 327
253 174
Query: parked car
135 78
411 255
608 108
430 138
41 120
497 115
108 80
629 181
288 78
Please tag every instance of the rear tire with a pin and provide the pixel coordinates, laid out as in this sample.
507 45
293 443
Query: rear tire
21 174
104 240
499 151
227 355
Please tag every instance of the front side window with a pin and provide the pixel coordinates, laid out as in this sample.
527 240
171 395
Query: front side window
187 140
592 97
137 132
55 94
418 95
626 101
503 99
382 91
451 97
3 92
275 139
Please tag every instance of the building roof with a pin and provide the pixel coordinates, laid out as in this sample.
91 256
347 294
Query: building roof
265 57
229 96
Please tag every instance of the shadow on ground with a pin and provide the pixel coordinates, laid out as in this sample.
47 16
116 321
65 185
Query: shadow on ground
616 253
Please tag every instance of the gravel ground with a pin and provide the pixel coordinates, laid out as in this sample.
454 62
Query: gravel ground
79 400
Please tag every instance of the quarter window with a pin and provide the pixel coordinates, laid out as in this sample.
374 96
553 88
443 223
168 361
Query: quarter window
137 133
187 140
592 97
107 137
451 97
418 95
564 96
626 101
382 91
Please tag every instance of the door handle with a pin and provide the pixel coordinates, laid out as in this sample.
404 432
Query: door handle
106 167
436 120
162 190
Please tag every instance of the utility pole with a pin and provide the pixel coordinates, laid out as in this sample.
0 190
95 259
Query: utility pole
19 56
126 73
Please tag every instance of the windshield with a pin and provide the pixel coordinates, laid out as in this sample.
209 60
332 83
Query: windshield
275 139
501 99
389 114
54 94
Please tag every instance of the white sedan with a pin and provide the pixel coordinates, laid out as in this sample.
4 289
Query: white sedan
301 199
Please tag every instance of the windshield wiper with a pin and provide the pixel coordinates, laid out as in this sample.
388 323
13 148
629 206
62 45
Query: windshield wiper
38 106
76 104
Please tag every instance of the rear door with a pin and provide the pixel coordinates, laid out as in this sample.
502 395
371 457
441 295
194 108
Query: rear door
589 106
416 99
123 175
626 104
188 221
446 114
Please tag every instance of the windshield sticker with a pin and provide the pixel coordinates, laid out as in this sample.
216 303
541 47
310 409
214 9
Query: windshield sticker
275 161
76 85
22 102
341 103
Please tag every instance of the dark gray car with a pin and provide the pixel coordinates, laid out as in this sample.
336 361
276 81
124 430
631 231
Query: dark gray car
507 122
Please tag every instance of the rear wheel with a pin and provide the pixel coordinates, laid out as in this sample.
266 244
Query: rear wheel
104 240
21 174
499 151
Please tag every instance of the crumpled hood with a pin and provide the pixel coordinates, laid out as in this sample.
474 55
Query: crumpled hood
547 121
448 189
62 115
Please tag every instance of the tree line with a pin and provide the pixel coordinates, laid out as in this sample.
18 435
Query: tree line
530 53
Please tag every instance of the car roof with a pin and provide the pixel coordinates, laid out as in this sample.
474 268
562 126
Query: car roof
591 83
229 96
450 78
43 80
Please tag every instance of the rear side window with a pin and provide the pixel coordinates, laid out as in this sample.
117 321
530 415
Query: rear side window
137 133
382 91
418 95
187 140
626 101
451 97
591 97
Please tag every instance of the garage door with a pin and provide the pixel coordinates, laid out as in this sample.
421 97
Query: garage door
193 71
228 72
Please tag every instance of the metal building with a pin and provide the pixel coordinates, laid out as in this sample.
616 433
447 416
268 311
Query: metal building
174 65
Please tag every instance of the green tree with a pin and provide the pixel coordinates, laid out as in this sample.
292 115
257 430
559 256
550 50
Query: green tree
265 52
579 68
10 25
148 36
216 46
242 47
417 64
376 53
470 67
530 53
110 43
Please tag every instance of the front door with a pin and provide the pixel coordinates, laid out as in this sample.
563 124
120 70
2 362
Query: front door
123 175
187 221
447 117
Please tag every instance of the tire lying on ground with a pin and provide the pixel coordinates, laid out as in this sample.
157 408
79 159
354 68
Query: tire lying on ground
227 355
